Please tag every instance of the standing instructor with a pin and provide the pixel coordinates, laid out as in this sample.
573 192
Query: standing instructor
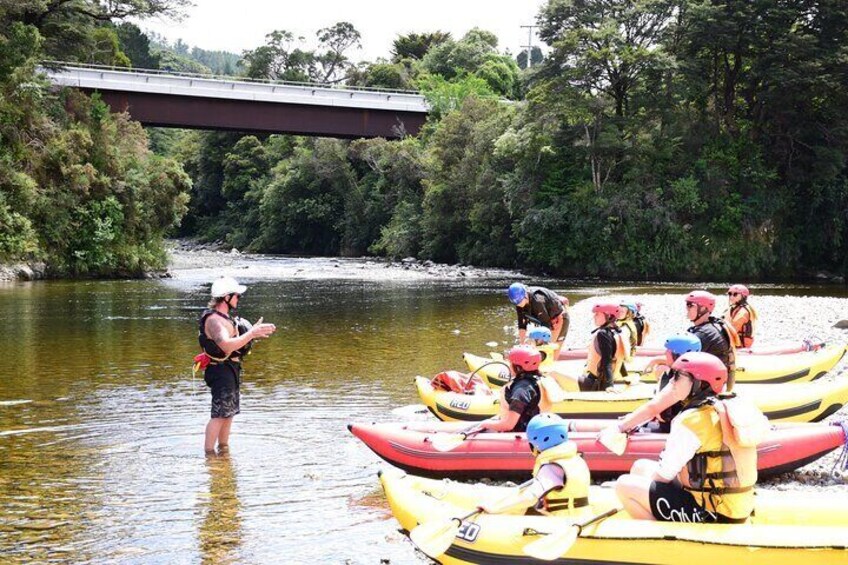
225 339
541 306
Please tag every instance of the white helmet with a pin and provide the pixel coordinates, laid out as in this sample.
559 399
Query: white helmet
225 286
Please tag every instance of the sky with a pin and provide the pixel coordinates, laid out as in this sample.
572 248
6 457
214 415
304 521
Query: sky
239 25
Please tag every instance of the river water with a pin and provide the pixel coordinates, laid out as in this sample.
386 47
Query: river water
101 422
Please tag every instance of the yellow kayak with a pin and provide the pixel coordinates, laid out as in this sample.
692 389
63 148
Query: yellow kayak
803 402
787 528
751 369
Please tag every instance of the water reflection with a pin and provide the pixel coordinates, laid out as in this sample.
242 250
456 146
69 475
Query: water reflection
220 530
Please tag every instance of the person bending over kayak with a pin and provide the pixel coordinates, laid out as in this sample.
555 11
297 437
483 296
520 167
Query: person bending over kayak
702 475
664 406
740 314
606 353
541 306
560 475
223 346
522 395
717 337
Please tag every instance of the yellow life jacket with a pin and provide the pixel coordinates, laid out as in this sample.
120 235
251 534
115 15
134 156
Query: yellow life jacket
720 479
593 360
633 336
575 492
549 353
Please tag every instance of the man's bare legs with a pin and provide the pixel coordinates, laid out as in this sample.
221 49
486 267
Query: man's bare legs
217 431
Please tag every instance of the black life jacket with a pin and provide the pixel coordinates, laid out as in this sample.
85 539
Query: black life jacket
531 409
538 296
640 322
206 343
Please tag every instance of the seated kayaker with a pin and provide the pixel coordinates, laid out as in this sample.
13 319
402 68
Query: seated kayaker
664 406
605 356
740 314
643 328
717 337
702 474
522 395
626 321
540 335
560 475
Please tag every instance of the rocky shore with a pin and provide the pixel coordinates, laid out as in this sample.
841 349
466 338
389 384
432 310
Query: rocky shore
187 256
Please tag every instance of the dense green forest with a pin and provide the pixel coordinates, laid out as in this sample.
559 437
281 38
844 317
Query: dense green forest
656 138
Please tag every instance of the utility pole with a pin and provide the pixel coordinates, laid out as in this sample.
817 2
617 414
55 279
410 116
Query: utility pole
529 45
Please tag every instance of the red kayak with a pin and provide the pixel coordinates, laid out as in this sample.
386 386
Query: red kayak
507 455
805 345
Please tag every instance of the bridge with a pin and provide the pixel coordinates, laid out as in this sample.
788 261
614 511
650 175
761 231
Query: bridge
157 98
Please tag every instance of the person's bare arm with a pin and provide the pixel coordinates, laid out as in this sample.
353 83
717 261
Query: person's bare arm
219 331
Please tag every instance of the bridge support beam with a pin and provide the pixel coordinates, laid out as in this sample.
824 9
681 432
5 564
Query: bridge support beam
166 110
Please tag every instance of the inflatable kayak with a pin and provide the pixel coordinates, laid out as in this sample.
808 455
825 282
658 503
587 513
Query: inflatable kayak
804 402
786 529
751 369
507 455
786 349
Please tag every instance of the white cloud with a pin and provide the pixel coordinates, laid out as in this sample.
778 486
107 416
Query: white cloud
236 26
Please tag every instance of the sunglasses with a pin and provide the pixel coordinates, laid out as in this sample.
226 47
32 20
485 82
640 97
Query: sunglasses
690 304
684 374
732 294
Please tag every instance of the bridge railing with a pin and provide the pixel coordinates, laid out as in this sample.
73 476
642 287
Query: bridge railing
58 65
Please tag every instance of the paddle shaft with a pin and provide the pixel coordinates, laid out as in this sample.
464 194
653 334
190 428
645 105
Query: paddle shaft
598 518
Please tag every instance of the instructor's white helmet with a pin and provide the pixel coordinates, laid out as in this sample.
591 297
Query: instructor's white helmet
226 286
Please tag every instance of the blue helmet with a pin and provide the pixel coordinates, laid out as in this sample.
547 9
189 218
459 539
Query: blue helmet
683 343
517 292
547 430
540 333
630 306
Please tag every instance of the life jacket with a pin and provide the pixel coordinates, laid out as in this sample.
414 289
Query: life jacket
742 318
552 304
728 354
530 411
207 345
593 361
575 491
632 335
722 474
643 328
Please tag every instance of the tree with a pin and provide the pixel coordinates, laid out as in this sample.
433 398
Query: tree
604 45
416 45
334 42
279 59
536 57
136 46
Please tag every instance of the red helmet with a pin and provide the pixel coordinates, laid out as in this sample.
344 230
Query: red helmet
702 298
739 289
608 308
524 357
703 367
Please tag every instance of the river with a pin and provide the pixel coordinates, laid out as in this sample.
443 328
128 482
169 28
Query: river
101 422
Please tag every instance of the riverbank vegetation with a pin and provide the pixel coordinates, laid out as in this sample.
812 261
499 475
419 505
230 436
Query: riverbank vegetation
79 188
656 139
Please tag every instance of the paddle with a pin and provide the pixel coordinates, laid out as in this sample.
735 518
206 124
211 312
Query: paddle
555 545
434 538
613 440
449 442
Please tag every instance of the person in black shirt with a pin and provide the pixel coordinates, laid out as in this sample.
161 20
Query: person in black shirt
605 356
716 337
521 396
541 306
